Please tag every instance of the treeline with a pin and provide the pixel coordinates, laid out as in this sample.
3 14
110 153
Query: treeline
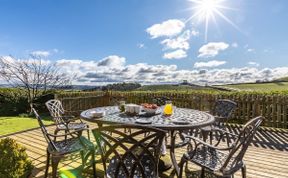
122 86
117 87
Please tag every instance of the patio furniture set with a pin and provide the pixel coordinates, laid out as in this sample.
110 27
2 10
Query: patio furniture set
137 152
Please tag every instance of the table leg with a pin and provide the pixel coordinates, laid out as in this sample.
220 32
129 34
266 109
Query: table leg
164 162
163 148
172 152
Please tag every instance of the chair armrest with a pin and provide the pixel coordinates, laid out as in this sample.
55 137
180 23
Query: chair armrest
70 112
67 134
70 118
225 132
67 118
198 142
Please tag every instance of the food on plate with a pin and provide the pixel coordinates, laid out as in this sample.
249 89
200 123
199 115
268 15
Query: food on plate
149 106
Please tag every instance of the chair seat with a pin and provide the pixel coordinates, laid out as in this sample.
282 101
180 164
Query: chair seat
71 145
72 126
208 157
146 162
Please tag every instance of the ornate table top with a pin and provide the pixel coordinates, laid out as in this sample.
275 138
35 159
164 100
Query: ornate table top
182 118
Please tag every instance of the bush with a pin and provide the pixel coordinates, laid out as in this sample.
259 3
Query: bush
12 102
14 162
24 115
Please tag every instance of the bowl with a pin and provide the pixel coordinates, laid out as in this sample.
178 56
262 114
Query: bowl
97 114
150 110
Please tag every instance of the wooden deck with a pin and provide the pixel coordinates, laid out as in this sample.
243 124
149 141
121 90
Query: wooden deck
267 157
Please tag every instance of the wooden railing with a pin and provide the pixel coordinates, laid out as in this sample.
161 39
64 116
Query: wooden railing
273 107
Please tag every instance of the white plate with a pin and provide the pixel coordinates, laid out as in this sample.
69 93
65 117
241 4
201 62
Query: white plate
180 122
143 121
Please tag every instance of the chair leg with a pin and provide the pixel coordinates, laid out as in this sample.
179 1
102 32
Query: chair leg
211 137
55 162
66 131
243 170
88 134
47 164
181 165
94 164
202 172
55 133
204 135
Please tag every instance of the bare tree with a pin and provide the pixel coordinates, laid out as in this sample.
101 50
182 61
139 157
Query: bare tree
35 76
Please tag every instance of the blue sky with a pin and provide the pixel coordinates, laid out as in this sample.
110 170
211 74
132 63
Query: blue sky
152 33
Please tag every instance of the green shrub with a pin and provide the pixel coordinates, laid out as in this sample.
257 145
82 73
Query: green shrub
24 115
14 162
12 102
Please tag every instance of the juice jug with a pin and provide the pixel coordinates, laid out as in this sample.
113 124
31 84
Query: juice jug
168 108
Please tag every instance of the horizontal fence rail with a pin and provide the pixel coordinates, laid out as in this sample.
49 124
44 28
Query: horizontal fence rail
273 107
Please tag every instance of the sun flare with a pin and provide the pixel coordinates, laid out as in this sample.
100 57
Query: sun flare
207 10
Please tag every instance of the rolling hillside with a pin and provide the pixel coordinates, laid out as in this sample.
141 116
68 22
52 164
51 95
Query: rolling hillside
164 87
272 86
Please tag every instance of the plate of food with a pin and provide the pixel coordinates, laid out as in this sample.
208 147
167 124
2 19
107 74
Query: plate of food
149 108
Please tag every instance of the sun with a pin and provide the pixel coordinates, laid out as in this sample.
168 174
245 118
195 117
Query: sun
208 6
207 10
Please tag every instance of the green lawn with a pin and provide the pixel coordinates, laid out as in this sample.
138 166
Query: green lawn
275 86
15 124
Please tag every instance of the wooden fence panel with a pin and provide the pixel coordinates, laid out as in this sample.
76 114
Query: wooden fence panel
273 107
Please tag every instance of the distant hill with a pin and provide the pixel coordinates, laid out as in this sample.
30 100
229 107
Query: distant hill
265 86
176 87
283 79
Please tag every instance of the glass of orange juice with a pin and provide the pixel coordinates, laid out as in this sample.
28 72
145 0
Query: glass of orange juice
168 108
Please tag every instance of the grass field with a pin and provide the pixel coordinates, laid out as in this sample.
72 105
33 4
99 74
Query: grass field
15 124
274 86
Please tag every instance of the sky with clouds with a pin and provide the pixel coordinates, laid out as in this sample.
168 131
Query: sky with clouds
150 41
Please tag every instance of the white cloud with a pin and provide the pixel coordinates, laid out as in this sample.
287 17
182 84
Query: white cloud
40 54
114 69
212 49
250 50
234 45
178 54
181 42
43 53
140 45
194 33
209 64
167 28
112 61
252 63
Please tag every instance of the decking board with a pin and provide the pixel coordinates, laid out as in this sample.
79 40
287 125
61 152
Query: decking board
267 157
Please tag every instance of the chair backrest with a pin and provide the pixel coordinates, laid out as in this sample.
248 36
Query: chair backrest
55 107
130 155
235 157
44 130
56 110
224 108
